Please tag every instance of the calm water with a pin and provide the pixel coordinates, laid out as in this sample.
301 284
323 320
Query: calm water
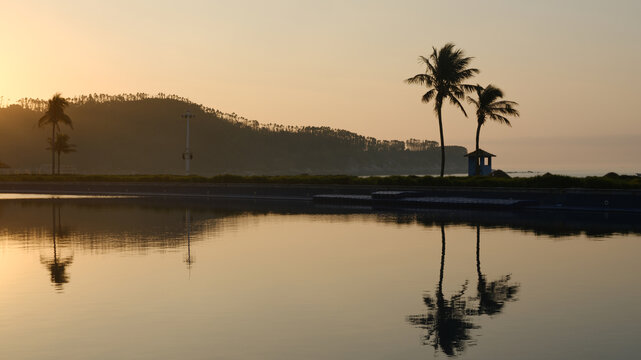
153 279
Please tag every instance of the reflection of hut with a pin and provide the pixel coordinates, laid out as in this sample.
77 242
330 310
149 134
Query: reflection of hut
484 158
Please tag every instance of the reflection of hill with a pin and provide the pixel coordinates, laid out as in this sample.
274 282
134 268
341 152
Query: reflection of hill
154 222
105 224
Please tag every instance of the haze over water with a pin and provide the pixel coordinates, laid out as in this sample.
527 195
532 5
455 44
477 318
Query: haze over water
160 279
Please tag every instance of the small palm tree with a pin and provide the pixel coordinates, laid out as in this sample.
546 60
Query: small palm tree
55 115
61 146
489 106
446 70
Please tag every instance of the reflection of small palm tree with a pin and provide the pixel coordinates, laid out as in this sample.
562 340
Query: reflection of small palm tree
493 295
58 265
447 322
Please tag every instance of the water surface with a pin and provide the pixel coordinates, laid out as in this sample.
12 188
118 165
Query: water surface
127 278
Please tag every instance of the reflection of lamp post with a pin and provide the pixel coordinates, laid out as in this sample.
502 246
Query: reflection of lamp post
188 259
187 156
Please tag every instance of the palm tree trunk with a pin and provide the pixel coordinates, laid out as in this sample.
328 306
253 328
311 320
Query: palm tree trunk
53 150
58 162
478 160
440 129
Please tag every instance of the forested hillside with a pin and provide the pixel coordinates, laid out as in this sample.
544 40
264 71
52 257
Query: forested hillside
135 133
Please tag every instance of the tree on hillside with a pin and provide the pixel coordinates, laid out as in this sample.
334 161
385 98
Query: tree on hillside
55 115
490 106
446 69
61 146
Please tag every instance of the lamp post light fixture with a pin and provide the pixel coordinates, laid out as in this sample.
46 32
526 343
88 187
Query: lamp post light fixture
187 155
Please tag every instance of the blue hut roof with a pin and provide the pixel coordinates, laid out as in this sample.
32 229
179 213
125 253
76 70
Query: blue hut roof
479 153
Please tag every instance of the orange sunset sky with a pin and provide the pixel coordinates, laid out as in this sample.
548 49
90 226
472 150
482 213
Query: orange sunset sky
572 65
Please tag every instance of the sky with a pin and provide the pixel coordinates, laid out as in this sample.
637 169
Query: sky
573 66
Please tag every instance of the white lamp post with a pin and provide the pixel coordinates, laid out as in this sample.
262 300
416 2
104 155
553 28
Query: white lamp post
187 155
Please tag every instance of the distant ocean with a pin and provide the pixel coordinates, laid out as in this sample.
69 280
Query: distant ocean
574 173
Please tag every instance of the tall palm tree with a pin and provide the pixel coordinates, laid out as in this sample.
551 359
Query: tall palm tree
490 106
446 69
61 146
54 115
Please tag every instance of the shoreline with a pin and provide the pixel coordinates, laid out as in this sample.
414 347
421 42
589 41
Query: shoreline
548 199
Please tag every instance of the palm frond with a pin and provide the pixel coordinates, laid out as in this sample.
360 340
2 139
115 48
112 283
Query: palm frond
428 96
500 119
55 113
489 106
455 101
457 92
469 88
490 94
65 119
44 120
421 79
507 110
465 74
505 103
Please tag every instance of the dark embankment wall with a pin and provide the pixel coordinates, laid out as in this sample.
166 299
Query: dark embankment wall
587 199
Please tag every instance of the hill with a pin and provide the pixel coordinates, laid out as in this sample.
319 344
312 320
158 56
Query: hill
138 134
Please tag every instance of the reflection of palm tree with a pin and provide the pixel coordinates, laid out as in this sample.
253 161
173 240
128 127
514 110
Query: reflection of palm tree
57 266
447 322
492 296
446 69
54 115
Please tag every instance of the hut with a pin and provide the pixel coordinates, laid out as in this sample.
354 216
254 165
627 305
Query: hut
485 160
